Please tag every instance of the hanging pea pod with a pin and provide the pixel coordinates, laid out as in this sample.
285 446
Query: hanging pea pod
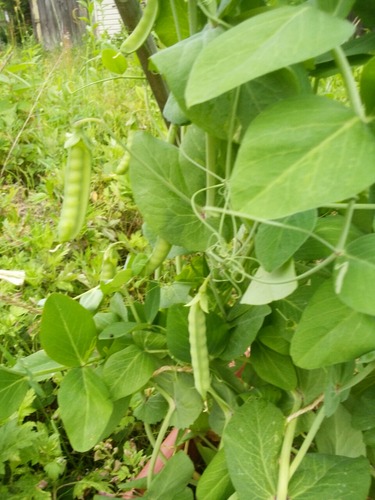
76 187
159 254
198 345
109 265
138 37
123 166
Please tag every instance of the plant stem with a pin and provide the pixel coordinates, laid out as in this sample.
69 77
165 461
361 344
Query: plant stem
344 234
307 442
350 83
131 305
211 150
193 17
282 487
175 20
162 432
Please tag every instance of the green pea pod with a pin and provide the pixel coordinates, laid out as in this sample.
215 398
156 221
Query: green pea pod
109 265
159 254
123 166
138 37
76 189
198 348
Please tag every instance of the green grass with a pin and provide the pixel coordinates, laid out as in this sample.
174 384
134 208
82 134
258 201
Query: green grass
41 96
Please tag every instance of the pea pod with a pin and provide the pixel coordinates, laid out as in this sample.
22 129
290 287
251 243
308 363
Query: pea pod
123 166
198 347
76 189
138 37
109 265
159 254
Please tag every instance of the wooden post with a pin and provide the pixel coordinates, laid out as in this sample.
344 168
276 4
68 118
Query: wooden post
130 12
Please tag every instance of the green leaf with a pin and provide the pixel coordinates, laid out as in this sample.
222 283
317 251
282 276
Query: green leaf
38 364
275 339
288 150
272 286
252 444
214 116
172 479
330 332
246 327
336 436
215 483
329 229
330 477
273 367
13 389
187 401
154 168
260 45
82 397
354 274
165 27
363 410
152 410
68 331
113 60
339 8
127 371
275 245
178 333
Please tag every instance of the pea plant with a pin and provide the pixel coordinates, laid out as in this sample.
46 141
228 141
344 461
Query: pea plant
249 328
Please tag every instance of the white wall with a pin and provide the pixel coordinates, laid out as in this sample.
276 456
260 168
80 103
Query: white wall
108 17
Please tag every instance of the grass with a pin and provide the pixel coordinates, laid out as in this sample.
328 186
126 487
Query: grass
41 96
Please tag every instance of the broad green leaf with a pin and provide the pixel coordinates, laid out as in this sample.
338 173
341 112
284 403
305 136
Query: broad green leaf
338 375
13 389
174 293
330 332
274 245
178 333
246 326
119 329
273 367
311 383
215 483
165 27
365 11
330 477
172 479
354 274
113 60
38 364
68 331
187 401
252 444
163 192
336 436
82 398
120 407
268 287
290 148
328 229
152 410
363 410
339 8
214 116
260 45
127 371
275 339
152 301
